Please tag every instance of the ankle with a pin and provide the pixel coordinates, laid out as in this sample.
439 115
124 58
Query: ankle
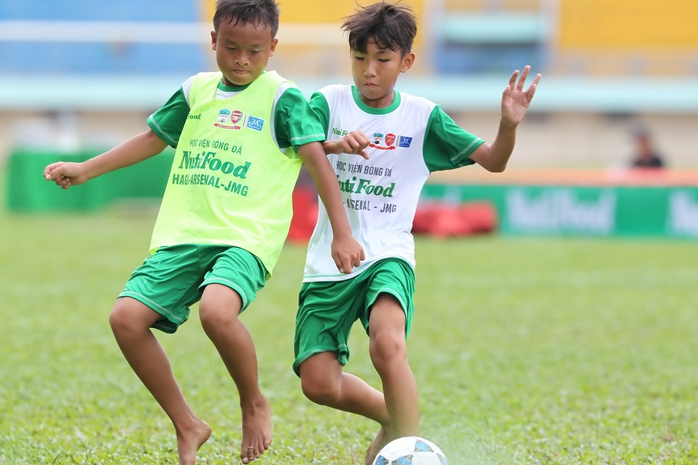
254 402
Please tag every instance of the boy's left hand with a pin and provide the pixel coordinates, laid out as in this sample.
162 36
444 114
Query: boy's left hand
515 100
347 253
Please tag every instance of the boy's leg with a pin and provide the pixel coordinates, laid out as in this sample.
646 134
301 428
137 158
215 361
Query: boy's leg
326 314
324 382
388 353
130 321
219 310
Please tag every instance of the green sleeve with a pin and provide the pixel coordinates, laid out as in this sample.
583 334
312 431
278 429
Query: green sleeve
319 104
295 122
447 145
168 121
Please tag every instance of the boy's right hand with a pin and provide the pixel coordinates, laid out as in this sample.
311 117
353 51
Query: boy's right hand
347 253
353 143
65 174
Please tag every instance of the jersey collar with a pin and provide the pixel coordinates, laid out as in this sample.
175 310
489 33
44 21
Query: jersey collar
225 88
375 111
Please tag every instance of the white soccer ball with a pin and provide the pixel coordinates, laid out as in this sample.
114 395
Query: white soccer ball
410 450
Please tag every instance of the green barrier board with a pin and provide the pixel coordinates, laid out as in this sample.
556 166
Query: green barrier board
583 211
28 191
626 211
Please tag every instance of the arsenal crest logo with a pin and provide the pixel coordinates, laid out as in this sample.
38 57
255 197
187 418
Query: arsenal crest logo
235 116
390 138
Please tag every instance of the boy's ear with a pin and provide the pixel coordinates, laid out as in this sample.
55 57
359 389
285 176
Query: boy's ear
407 62
272 49
213 40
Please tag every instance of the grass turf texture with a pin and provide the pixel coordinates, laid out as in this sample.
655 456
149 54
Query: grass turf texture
526 351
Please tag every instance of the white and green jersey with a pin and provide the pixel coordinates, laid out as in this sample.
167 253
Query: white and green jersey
234 167
409 139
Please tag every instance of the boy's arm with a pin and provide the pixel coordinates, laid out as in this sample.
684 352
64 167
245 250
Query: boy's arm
132 151
515 102
297 120
346 251
166 126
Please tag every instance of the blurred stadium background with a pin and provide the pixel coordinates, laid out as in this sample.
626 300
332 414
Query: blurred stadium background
548 351
78 76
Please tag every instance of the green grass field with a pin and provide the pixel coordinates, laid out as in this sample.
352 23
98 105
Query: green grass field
527 351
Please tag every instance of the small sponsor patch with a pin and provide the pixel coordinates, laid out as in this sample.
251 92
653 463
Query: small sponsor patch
224 116
255 123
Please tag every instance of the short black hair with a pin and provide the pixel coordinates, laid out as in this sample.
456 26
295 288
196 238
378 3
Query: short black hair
241 12
390 25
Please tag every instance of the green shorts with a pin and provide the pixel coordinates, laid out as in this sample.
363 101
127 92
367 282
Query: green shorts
173 278
328 309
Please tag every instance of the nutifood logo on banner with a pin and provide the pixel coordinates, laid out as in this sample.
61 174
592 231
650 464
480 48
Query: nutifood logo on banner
683 214
561 210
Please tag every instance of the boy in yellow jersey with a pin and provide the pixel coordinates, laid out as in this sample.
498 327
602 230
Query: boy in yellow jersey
241 135
407 138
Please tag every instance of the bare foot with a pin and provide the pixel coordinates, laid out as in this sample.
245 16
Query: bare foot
384 436
256 430
189 441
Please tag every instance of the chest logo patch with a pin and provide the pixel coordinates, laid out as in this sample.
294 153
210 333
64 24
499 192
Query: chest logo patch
237 120
388 141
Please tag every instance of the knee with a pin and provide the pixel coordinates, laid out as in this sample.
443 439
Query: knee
213 315
320 391
219 307
123 318
386 349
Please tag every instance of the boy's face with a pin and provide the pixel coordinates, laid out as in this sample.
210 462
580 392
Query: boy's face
242 51
376 71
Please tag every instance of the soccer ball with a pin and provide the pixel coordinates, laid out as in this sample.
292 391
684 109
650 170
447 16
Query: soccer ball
410 450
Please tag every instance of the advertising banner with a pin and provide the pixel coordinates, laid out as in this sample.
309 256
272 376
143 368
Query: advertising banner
583 211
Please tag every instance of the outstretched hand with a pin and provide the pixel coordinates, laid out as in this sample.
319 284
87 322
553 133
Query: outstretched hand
65 174
515 100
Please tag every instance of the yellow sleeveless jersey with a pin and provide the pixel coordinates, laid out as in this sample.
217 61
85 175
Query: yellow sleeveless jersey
229 183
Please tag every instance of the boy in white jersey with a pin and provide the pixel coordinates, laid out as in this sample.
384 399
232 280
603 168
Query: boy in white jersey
224 216
407 138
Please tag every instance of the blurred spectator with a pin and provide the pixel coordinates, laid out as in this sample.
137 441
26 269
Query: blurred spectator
645 155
